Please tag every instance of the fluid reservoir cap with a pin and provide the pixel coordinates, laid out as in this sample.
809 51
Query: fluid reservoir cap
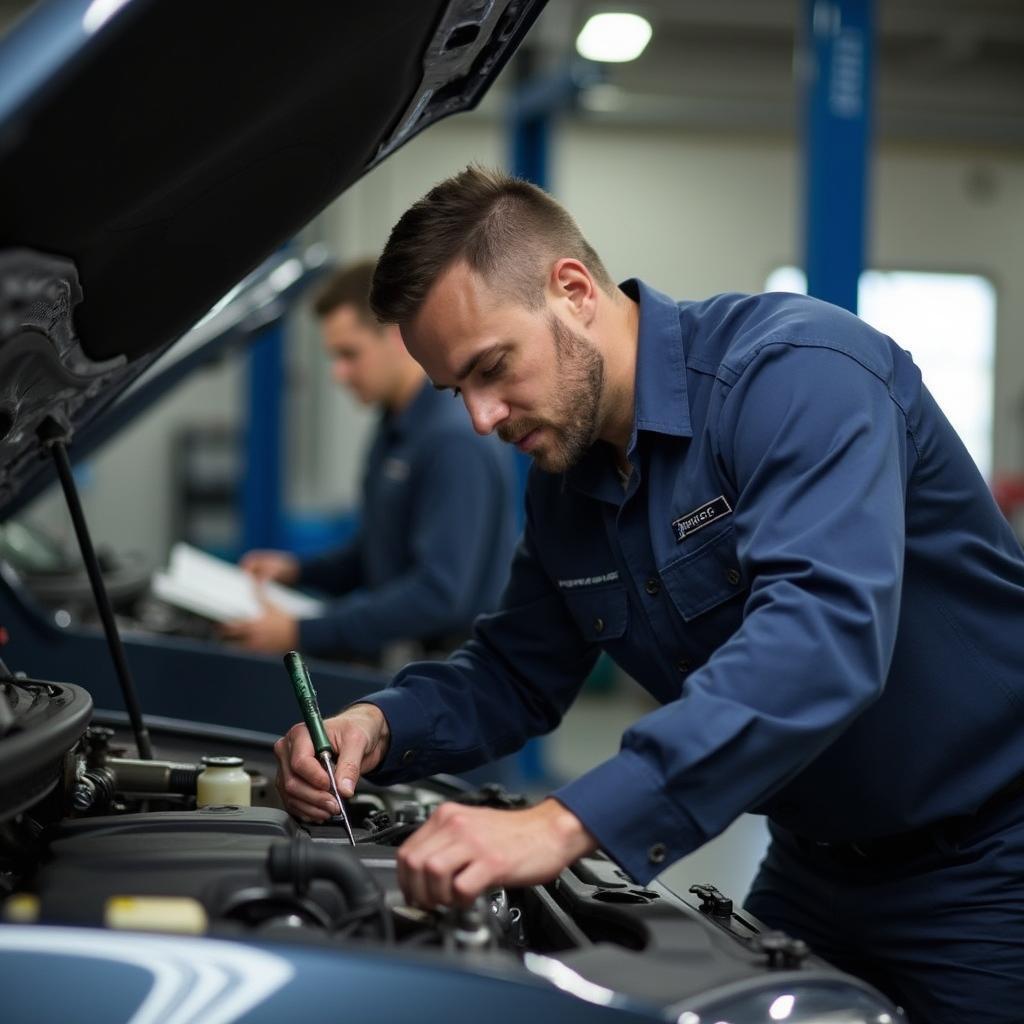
222 762
21 908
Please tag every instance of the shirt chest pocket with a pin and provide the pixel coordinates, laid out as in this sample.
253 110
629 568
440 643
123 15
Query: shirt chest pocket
703 580
602 613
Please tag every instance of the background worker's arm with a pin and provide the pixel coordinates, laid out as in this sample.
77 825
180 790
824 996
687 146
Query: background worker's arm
451 543
337 571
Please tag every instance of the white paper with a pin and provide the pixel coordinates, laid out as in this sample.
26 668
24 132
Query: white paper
221 591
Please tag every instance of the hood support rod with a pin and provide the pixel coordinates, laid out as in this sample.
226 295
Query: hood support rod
54 438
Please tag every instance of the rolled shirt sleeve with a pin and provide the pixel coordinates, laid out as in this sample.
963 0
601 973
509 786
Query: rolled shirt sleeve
815 447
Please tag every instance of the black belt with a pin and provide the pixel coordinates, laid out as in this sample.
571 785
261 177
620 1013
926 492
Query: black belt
908 846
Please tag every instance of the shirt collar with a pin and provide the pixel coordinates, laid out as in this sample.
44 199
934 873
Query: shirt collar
660 401
399 424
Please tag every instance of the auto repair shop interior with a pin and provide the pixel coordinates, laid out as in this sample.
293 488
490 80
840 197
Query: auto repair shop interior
213 453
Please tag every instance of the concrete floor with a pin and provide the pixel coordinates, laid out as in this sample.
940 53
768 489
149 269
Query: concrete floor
590 733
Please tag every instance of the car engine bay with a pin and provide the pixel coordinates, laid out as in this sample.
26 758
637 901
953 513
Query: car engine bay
93 836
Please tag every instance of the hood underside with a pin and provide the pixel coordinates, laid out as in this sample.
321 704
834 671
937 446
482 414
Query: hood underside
164 151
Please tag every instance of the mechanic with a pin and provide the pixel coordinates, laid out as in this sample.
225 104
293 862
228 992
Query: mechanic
756 508
438 519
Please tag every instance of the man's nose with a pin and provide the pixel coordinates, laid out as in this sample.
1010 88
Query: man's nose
486 411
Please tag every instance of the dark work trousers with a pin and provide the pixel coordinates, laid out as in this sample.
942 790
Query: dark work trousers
941 933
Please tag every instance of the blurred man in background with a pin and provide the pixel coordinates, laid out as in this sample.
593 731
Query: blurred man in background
437 524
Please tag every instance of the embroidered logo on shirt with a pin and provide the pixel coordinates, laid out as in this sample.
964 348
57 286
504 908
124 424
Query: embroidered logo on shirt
700 517
395 469
588 581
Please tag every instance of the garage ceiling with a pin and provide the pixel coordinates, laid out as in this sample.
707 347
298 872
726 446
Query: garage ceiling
949 71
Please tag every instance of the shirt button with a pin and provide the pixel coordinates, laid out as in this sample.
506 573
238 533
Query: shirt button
408 756
657 853
683 664
733 576
598 625
652 586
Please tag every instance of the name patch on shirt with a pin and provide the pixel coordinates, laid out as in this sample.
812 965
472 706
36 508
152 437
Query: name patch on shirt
700 517
588 581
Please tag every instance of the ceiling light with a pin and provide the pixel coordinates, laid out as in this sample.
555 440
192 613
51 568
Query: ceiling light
613 38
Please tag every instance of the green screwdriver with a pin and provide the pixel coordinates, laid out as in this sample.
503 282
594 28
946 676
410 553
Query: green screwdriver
306 696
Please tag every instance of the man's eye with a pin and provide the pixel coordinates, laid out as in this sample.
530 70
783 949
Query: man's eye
493 371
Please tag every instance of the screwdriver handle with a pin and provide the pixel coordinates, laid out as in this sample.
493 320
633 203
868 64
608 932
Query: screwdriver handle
306 696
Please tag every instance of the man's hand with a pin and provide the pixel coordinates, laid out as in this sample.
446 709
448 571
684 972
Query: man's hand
463 851
279 566
360 738
273 631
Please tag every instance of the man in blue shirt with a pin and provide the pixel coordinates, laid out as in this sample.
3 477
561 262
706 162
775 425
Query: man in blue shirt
756 508
438 516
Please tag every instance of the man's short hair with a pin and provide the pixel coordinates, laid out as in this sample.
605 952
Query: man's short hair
347 286
507 230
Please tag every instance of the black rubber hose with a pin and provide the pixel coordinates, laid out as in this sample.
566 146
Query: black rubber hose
300 861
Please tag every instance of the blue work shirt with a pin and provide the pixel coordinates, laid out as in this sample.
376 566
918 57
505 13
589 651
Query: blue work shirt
437 531
805 568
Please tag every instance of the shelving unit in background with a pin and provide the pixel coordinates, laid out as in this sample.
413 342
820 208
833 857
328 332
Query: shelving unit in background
207 478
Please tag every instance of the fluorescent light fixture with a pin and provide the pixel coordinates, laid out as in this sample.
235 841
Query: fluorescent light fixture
613 38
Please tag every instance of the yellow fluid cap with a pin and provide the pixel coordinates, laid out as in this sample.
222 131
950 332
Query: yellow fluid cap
180 914
21 908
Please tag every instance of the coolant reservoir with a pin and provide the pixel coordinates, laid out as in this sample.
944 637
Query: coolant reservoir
223 781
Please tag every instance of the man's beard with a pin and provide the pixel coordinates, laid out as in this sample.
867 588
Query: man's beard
579 389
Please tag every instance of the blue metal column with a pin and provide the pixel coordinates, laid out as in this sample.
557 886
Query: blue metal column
837 60
264 441
530 145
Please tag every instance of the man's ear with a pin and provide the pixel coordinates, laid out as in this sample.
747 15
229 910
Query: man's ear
572 286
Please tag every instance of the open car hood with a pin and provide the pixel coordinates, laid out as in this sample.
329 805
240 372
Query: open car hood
152 155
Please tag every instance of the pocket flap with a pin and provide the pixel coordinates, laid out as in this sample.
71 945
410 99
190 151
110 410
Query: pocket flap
703 579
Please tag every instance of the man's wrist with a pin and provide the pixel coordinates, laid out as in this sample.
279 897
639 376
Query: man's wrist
381 721
570 833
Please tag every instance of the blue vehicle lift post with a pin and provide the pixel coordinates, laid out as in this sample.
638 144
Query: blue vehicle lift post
262 488
837 55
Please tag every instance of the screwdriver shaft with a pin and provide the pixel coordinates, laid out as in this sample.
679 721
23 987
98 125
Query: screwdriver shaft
328 762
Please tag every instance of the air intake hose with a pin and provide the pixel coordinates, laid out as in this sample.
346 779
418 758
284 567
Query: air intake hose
299 861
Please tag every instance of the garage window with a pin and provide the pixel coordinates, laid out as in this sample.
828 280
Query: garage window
947 322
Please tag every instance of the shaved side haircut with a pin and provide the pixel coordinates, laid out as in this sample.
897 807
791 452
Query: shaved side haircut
506 229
